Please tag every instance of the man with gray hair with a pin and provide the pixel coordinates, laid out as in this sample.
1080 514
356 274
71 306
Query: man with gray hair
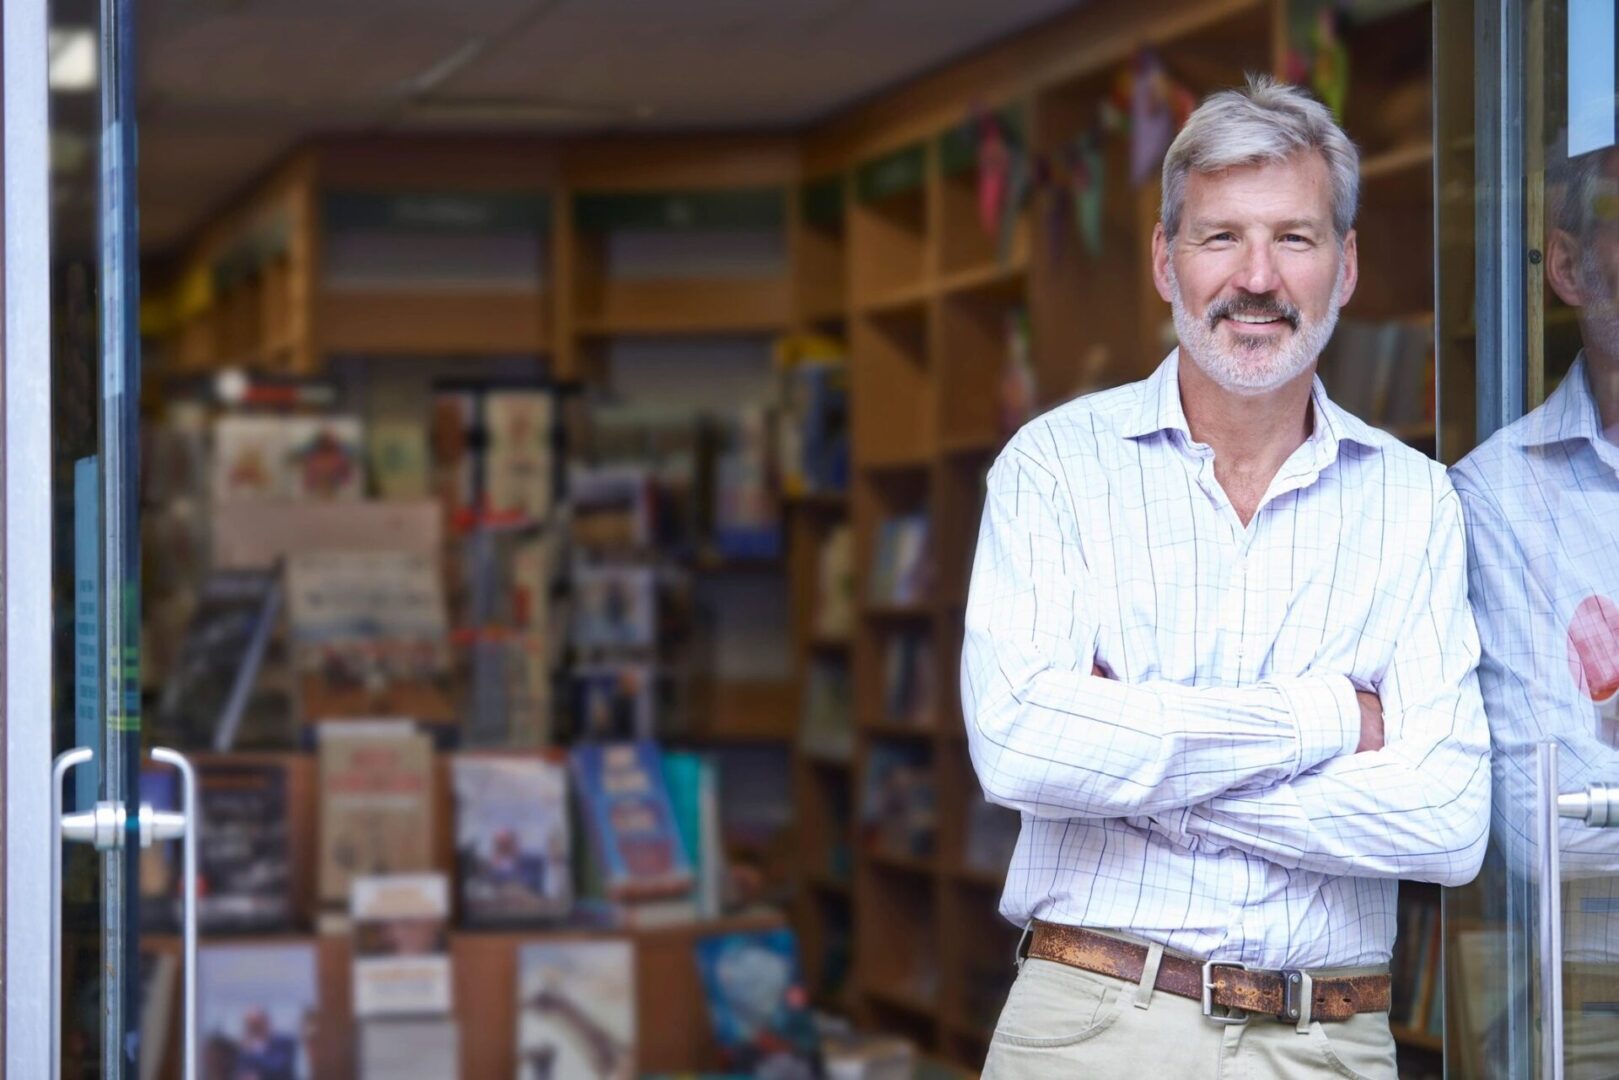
1218 653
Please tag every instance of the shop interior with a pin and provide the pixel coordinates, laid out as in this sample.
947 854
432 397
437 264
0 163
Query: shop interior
563 438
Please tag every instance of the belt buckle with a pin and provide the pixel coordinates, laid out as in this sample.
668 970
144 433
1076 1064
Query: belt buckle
1208 993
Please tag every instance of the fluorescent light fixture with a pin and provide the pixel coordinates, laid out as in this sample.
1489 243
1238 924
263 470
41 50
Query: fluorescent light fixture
73 60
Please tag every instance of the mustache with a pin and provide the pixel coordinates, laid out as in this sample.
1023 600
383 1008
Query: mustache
1267 307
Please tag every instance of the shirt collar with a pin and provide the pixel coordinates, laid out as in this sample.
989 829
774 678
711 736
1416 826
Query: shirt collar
1159 408
1569 415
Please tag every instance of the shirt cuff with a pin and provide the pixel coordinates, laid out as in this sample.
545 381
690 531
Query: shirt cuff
1326 714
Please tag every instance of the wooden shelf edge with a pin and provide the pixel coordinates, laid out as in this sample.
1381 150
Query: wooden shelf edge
906 864
995 279
1396 160
905 300
1420 1040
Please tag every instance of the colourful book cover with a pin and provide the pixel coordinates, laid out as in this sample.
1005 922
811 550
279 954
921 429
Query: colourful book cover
512 838
758 1005
630 819
258 1006
576 1011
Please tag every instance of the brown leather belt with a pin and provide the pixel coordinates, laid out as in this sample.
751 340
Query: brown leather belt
1280 994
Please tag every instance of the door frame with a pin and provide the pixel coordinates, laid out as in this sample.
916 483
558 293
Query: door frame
25 540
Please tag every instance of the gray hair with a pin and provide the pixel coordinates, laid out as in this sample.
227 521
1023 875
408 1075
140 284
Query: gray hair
1264 122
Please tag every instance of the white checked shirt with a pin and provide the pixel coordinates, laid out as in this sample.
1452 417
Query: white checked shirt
1208 796
1541 499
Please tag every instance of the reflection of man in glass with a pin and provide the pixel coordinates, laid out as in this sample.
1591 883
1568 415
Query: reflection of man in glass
1541 499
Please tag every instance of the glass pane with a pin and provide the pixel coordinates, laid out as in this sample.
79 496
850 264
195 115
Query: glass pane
1533 972
95 380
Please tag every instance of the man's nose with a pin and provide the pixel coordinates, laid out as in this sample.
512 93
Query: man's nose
1258 274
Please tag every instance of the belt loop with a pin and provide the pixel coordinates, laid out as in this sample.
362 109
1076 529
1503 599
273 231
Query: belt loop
1149 975
1306 1002
1021 952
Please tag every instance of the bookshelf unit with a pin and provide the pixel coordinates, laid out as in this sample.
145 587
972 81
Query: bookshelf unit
875 217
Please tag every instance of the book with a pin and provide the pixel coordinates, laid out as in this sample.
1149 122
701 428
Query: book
898 812
630 822
257 1007
369 635
512 839
834 584
396 451
418 1048
288 457
401 945
244 853
259 535
827 728
615 607
862 1056
693 782
613 702
612 507
376 815
747 518
813 425
576 1015
910 681
160 973
900 573
757 1004
326 458
520 462
214 697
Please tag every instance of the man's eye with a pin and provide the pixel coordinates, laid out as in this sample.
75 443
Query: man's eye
1221 238
1295 238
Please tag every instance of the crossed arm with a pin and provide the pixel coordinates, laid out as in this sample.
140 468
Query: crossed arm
1272 768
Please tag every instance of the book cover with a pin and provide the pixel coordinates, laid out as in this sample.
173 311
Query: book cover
257 1007
243 848
250 459
576 1017
612 507
369 635
397 453
159 863
614 702
827 728
909 681
325 458
758 1005
376 813
834 584
418 1048
512 839
631 823
455 430
214 697
520 464
401 945
693 783
615 607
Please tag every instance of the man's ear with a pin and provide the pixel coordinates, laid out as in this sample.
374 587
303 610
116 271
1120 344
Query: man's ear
1160 263
1563 268
1351 268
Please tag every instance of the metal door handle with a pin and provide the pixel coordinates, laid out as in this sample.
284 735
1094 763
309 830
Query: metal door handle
64 763
1597 806
103 827
160 825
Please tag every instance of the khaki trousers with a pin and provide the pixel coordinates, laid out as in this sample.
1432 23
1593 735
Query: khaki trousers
1059 1021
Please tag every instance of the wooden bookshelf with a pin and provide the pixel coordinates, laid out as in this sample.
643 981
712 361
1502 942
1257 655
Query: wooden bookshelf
881 244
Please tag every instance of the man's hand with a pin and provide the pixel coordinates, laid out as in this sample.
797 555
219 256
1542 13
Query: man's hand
1371 721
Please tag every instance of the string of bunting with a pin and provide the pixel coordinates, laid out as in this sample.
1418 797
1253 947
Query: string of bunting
1145 104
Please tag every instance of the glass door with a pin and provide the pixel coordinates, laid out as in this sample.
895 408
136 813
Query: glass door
1528 222
99 824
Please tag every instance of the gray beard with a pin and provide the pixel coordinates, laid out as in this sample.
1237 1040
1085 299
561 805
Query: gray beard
1243 371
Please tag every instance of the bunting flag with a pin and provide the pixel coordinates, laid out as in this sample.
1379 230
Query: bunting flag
1087 193
994 165
1152 121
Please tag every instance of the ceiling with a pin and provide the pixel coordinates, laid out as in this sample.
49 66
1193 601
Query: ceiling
227 86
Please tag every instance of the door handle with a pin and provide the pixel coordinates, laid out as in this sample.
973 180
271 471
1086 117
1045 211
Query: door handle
1597 806
103 827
